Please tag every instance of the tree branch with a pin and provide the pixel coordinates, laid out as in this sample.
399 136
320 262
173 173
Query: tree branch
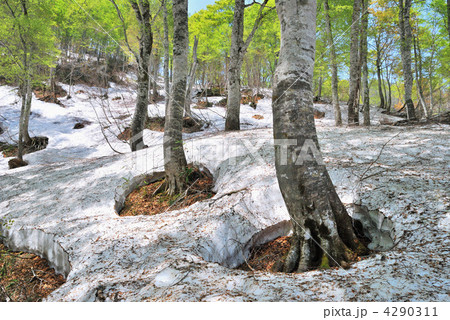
119 13
256 25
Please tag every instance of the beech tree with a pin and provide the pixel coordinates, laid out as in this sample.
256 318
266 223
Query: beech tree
322 229
355 66
143 16
405 48
237 52
174 157
334 67
365 90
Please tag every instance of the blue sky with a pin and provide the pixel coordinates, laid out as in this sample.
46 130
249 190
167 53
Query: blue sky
197 5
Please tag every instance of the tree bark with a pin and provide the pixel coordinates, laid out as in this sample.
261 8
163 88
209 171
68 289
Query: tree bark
334 67
322 228
389 97
365 69
448 18
419 79
27 113
234 69
237 53
380 80
191 79
166 55
174 157
355 67
405 47
142 11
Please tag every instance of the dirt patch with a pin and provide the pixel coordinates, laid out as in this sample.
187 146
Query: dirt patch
258 117
36 144
81 124
26 277
148 200
265 256
203 104
8 150
222 103
190 125
46 94
16 163
125 135
318 114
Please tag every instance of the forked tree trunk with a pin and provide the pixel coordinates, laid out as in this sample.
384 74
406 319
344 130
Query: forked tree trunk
334 68
322 228
365 69
405 48
142 11
237 52
174 157
355 67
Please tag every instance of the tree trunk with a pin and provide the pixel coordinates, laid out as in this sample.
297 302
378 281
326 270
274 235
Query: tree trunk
319 89
191 79
142 12
448 18
27 113
322 229
174 157
389 97
155 73
334 68
355 67
378 65
418 71
237 53
234 69
365 69
23 88
166 55
405 47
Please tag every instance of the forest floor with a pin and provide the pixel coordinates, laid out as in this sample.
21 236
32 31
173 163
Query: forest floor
25 277
72 189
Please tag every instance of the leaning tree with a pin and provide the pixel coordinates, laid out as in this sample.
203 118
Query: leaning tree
322 228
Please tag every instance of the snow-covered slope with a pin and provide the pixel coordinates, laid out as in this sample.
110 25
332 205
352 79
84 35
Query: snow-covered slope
185 255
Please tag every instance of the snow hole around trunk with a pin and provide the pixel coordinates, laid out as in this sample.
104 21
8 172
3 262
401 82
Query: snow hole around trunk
40 243
132 184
